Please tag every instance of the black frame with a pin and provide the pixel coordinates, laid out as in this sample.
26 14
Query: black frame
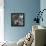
17 14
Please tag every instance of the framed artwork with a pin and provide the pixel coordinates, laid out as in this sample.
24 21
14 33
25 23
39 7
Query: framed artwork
17 19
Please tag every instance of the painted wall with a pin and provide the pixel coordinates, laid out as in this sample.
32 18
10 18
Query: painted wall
43 6
1 21
29 7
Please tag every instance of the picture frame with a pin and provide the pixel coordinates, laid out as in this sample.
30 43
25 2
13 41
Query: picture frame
17 19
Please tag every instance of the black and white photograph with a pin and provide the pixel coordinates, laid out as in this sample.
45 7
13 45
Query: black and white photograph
17 19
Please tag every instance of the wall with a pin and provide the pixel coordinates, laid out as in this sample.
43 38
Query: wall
43 6
1 21
29 7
